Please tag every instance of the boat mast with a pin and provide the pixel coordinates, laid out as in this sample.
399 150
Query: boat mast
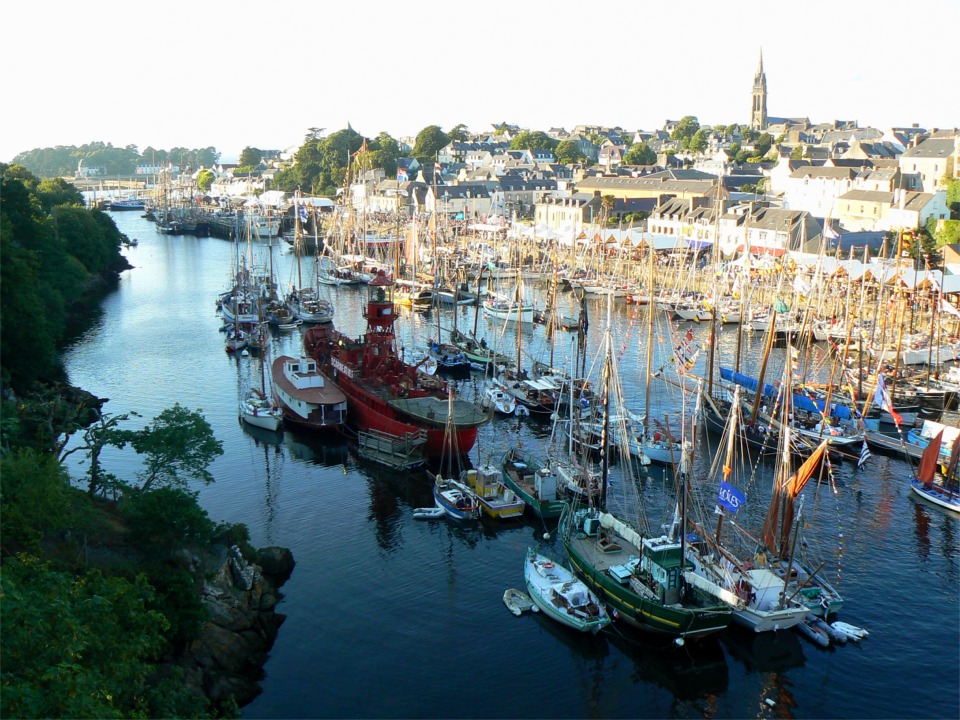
650 310
605 428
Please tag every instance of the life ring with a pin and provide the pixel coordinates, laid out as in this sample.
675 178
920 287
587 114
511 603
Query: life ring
548 564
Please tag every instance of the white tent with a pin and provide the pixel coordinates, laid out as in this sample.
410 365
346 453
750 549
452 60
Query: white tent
273 198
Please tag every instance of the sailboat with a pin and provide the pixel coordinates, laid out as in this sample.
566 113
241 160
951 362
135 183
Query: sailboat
304 302
453 494
643 579
257 409
763 599
946 495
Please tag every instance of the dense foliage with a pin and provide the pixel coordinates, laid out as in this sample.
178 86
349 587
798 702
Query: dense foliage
533 140
89 641
55 255
109 161
95 597
640 154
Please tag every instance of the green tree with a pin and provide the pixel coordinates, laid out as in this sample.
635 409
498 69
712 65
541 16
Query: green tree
429 142
205 180
54 192
459 132
763 144
533 140
50 251
953 197
385 151
35 496
640 154
165 520
685 130
83 646
177 446
698 143
568 153
797 152
250 157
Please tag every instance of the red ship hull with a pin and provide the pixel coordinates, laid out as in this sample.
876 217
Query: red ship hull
367 411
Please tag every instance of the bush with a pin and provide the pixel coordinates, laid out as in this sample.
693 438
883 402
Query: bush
165 520
35 495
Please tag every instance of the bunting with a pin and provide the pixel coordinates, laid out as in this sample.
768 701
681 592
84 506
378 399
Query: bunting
685 354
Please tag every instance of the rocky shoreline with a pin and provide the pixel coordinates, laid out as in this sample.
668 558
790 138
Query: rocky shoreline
228 657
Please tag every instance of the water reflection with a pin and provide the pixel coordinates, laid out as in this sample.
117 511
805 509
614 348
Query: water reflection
324 449
268 444
696 672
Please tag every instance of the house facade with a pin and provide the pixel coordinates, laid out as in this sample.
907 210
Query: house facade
569 214
861 210
926 164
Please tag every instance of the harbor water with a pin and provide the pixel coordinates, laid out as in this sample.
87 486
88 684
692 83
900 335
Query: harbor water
393 617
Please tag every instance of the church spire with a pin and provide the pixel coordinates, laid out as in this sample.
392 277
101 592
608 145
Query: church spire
758 108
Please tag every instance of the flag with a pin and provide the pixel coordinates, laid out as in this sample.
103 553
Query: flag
830 234
864 454
303 213
730 497
437 173
882 399
948 308
402 175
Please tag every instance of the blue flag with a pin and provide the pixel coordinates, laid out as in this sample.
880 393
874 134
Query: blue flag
730 497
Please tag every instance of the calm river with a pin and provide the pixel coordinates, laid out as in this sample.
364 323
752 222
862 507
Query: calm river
394 617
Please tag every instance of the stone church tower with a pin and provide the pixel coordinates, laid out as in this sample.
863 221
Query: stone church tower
758 111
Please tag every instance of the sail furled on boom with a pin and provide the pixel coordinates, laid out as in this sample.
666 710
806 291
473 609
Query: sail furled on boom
800 402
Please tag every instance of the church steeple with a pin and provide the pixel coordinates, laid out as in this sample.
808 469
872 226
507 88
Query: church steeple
758 110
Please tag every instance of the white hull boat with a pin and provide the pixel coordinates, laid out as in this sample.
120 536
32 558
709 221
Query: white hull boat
563 597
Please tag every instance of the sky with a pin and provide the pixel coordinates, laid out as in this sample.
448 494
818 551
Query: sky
261 74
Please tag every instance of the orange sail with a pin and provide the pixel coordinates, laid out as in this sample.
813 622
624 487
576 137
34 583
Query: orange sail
928 461
791 488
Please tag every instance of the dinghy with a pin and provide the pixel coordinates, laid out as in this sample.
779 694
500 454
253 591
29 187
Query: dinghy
851 631
428 513
813 633
518 602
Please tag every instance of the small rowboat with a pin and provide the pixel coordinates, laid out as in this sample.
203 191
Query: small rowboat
518 602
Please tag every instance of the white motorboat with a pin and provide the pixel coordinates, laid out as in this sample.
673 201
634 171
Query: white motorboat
559 594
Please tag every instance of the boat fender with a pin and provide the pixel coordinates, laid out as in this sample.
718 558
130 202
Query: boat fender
521 411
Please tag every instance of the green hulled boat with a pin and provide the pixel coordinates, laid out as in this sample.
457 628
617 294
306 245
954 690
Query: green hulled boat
641 579
534 482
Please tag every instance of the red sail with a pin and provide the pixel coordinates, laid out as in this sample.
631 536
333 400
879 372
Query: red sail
791 488
928 461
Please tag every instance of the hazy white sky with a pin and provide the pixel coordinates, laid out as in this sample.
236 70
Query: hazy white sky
239 73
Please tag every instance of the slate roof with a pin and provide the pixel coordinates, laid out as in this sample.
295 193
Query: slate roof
931 148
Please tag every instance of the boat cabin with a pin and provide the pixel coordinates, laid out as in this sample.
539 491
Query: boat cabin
661 561
302 373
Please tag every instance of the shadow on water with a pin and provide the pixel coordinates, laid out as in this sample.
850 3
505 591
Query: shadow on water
695 672
764 652
325 449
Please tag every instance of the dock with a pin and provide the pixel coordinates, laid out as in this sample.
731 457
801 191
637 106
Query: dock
403 452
